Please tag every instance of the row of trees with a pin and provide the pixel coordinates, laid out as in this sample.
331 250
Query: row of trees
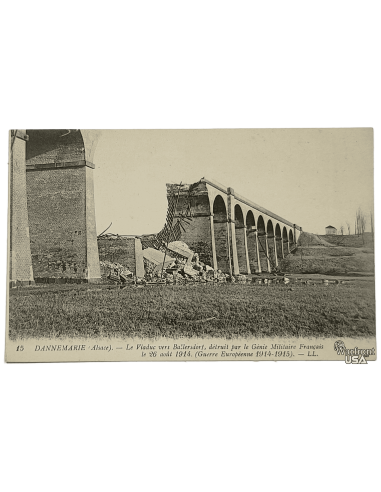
360 224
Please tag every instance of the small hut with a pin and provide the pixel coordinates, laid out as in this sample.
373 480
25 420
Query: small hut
330 230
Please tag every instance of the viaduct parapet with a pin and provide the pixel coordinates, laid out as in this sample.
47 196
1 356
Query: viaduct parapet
60 195
242 237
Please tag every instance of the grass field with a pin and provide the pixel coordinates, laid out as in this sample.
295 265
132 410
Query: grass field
350 241
329 261
246 310
317 255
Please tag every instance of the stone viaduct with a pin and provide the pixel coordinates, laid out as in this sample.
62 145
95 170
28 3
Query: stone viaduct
242 236
52 215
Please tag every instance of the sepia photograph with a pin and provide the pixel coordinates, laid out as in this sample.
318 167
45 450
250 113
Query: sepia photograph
225 244
190 279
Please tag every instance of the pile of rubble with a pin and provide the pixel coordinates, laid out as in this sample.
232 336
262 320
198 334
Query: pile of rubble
115 272
183 271
178 265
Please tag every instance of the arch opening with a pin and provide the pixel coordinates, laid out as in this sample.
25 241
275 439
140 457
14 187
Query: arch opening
219 209
270 229
286 246
271 244
251 242
221 234
240 239
291 237
54 146
238 216
250 221
278 238
262 242
261 226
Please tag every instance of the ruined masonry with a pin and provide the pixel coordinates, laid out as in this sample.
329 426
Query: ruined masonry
125 250
236 234
52 217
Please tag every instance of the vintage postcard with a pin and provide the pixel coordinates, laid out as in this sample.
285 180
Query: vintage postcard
188 245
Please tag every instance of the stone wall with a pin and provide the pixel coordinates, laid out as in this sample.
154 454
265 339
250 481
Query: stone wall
126 251
57 222
221 241
199 230
61 210
118 251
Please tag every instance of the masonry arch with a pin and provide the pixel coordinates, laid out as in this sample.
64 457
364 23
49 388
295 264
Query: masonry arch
270 228
219 209
61 146
221 234
291 238
238 217
251 241
271 243
286 249
240 238
261 226
278 240
262 244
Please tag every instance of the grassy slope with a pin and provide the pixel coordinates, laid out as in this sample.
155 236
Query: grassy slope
351 241
316 255
241 310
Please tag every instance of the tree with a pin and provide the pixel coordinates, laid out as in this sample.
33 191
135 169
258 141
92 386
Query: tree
357 227
363 225
360 223
342 229
371 224
349 228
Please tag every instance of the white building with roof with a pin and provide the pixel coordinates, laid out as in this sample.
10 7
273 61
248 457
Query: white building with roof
329 230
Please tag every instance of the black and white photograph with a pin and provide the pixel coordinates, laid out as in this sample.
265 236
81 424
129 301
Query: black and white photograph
226 244
190 252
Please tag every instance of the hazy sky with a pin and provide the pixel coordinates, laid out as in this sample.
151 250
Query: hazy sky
313 178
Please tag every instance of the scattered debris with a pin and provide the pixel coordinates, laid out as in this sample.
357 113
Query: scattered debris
115 272
185 267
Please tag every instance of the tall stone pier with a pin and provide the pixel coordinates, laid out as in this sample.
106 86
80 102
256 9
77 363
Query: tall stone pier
237 235
61 210
20 263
